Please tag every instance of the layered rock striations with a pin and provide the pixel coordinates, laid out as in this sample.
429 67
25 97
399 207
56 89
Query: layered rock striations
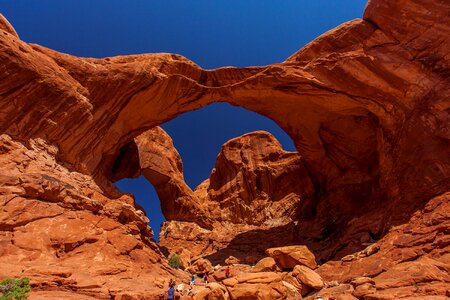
153 155
256 182
366 104
255 195
58 228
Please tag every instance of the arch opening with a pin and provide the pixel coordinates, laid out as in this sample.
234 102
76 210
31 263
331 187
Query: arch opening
315 198
150 166
200 134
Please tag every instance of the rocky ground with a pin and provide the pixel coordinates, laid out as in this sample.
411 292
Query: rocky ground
361 211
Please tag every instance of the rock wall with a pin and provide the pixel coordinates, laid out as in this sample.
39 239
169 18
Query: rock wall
255 187
367 105
58 228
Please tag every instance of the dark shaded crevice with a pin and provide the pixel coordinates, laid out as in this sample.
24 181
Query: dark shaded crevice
126 165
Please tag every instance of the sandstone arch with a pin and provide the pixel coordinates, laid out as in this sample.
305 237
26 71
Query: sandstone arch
64 119
80 100
335 80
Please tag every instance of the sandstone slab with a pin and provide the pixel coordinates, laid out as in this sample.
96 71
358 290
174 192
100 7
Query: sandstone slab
289 256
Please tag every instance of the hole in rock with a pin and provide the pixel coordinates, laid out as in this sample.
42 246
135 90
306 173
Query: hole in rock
146 197
198 137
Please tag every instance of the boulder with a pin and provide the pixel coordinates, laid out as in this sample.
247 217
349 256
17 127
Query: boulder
341 292
364 289
261 277
231 260
362 280
218 292
266 264
268 291
185 258
289 256
200 266
287 277
213 291
292 291
201 294
308 277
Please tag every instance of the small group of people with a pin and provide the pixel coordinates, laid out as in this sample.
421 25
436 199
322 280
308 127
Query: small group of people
171 291
205 279
172 284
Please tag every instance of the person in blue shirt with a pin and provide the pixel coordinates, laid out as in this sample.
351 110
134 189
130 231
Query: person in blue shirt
171 291
192 280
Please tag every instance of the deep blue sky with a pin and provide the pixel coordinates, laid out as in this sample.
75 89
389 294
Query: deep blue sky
212 33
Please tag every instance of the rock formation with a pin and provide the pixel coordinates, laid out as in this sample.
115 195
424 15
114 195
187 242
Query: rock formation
59 229
254 186
366 104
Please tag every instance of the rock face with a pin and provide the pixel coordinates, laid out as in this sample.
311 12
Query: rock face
411 260
153 155
256 182
266 264
308 277
366 104
290 256
59 229
254 186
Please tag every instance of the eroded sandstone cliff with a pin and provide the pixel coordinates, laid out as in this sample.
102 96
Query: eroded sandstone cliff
257 190
367 105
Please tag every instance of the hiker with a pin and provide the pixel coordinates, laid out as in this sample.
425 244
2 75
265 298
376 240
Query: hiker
227 272
192 280
171 291
205 278
171 282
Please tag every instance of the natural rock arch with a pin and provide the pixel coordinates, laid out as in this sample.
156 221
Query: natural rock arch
386 75
152 154
334 81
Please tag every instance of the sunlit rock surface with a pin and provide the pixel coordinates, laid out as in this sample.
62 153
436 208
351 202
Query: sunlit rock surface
366 104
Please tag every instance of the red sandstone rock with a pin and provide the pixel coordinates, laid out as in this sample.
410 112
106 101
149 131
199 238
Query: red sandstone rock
153 155
252 174
266 264
291 291
366 105
231 260
263 285
6 26
185 258
410 255
339 292
200 266
362 280
308 277
258 291
289 256
212 291
301 289
58 229
364 289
